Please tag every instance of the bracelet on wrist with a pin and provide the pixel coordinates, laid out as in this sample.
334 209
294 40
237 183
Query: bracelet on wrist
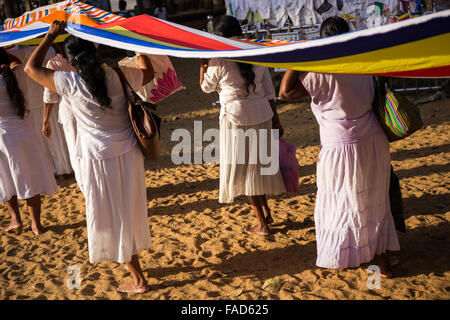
50 36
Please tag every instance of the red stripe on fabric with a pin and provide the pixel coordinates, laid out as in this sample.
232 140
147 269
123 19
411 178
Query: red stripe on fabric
437 72
159 30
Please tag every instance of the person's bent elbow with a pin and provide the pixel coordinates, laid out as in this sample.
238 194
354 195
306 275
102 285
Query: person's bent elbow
283 96
27 69
287 95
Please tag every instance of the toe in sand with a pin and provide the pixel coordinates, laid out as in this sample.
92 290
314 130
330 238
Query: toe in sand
133 288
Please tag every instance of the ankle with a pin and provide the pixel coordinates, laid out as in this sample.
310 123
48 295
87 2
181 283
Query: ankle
16 221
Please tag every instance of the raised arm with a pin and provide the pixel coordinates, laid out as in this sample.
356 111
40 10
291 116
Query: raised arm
34 68
147 68
203 69
291 88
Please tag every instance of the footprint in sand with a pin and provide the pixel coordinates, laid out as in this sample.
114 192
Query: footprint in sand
89 290
11 252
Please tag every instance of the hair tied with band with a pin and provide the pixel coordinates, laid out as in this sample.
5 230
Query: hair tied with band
78 56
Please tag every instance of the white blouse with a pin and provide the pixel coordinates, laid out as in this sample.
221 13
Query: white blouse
65 113
101 133
238 105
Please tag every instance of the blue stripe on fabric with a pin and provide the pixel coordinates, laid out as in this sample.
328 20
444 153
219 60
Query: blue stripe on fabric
122 38
17 35
359 45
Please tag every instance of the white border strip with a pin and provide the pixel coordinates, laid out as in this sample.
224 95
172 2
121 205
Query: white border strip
256 49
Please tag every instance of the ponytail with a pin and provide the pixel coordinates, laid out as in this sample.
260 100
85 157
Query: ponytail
82 55
229 27
247 73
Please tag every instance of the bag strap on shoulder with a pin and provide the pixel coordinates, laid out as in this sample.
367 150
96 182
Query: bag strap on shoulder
133 93
123 81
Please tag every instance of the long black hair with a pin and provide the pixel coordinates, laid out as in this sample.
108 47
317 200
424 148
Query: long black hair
82 55
229 26
12 87
333 26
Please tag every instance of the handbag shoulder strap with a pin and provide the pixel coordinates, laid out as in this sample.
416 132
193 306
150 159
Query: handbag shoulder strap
125 84
381 87
123 81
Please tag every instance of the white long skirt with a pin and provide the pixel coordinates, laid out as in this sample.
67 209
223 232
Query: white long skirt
116 206
70 132
25 171
352 214
56 147
238 178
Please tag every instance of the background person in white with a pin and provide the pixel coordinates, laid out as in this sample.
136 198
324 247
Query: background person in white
246 96
160 11
56 148
123 10
64 111
111 163
25 172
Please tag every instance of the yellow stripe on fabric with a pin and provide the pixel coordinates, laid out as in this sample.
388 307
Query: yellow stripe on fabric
406 57
125 32
37 41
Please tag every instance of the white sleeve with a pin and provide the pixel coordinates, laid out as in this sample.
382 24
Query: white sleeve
65 83
212 76
49 95
268 85
134 76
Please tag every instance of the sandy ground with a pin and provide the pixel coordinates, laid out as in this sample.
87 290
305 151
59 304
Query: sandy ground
199 248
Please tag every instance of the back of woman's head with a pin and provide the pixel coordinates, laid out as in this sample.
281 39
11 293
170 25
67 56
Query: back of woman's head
122 5
229 27
333 26
82 55
12 86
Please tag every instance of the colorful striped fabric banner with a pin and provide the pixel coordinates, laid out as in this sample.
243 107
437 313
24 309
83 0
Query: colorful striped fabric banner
418 47
27 28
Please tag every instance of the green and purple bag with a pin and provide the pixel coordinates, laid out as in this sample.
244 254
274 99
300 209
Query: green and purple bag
398 116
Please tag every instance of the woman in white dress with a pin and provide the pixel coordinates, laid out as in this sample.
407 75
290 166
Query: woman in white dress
66 118
247 105
352 214
111 164
56 147
25 172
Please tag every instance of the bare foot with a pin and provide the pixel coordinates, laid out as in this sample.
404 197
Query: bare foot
269 220
262 231
385 265
386 270
37 229
133 288
13 226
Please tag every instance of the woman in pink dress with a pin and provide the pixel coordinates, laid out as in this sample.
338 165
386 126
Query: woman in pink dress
352 214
